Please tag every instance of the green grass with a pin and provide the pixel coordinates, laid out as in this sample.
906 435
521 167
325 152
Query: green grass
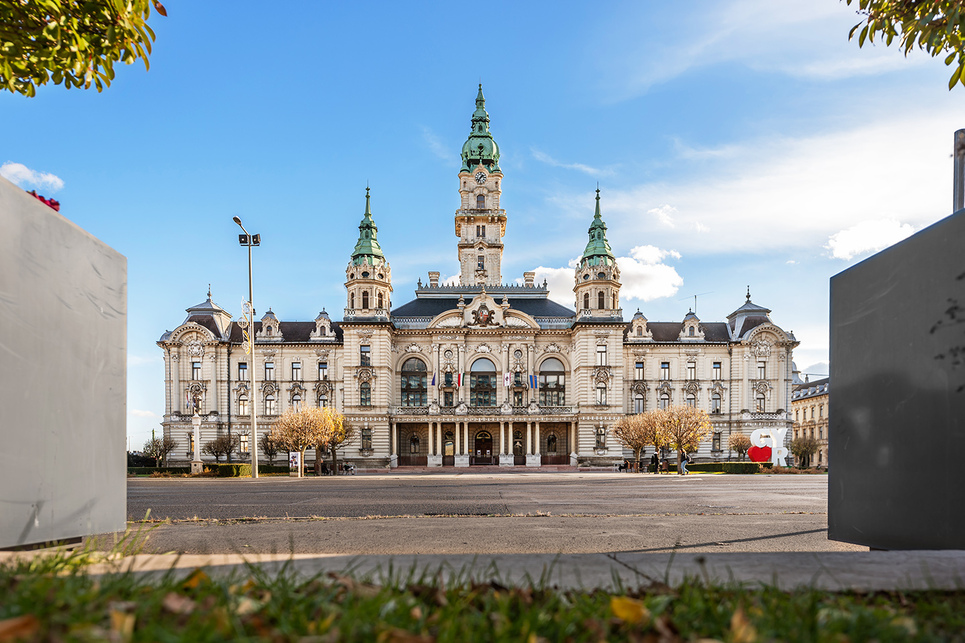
52 598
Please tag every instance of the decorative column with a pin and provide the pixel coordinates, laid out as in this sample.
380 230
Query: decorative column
462 440
196 464
574 461
532 458
393 445
435 451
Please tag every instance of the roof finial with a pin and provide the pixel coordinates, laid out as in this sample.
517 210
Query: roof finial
209 291
368 210
748 292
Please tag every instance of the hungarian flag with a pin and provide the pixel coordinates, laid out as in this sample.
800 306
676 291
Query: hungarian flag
458 379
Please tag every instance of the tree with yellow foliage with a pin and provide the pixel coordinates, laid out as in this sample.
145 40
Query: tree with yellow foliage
682 428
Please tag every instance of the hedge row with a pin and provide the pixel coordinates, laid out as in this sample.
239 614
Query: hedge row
140 471
243 469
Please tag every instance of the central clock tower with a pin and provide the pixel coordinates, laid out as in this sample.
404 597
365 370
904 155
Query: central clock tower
480 223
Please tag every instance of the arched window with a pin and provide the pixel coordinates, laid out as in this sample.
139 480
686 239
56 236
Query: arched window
297 402
762 401
447 443
381 301
690 331
715 403
365 299
691 400
664 400
322 400
414 443
365 394
586 301
243 405
480 201
639 331
552 383
552 443
270 407
601 394
482 383
414 390
638 403
600 300
351 300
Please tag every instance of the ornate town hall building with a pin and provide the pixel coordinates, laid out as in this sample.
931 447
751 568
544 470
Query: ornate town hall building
478 373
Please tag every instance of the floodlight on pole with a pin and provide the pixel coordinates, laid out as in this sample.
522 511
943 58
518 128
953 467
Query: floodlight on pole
251 240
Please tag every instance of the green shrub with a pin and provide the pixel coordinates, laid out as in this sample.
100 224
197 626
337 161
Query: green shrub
706 466
741 467
146 471
230 469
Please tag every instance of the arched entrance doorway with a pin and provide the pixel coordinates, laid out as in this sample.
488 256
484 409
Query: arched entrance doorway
483 448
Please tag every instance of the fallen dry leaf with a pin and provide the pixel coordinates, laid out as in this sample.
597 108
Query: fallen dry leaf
741 629
122 625
177 604
629 610
195 578
19 628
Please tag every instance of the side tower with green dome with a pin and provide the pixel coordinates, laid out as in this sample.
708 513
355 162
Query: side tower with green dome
480 223
597 277
368 277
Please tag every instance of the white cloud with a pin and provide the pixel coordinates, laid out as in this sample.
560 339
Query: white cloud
25 177
664 214
143 414
560 283
580 167
867 237
646 277
437 147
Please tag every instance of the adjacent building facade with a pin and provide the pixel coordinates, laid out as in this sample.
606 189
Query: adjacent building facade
481 372
809 404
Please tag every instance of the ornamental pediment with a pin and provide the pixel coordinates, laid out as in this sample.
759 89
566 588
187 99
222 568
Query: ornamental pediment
483 313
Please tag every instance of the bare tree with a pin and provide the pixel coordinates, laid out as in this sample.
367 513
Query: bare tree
682 428
268 446
740 443
636 432
803 449
298 430
223 445
159 448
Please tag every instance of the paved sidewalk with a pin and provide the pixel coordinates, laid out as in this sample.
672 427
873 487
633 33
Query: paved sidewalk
865 571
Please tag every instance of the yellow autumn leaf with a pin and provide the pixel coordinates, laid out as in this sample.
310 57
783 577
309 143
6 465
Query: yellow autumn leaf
195 578
741 629
122 625
629 609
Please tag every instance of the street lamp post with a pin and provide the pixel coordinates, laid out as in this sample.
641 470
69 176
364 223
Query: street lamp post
251 240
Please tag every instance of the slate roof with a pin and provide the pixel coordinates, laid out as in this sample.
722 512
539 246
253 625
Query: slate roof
670 331
292 332
811 389
433 307
750 322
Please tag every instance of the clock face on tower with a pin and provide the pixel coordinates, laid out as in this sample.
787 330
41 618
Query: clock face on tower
480 177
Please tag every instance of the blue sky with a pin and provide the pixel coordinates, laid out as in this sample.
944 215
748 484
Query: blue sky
735 142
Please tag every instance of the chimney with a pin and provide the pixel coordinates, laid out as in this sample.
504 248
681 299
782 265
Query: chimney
433 279
959 154
528 277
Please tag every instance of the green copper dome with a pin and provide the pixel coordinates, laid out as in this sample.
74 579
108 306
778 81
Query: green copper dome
367 250
480 148
598 252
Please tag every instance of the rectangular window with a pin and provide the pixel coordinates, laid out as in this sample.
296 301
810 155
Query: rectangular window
762 370
448 379
600 438
323 370
365 395
366 439
365 355
716 373
296 371
691 371
820 411
638 371
601 355
243 405
269 371
715 403
664 371
517 398
601 394
481 262
796 411
322 400
447 397
244 443
243 371
638 403
196 370
820 433
271 407
715 444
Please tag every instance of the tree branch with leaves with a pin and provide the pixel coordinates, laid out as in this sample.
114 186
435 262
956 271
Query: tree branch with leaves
71 42
740 443
682 428
636 432
933 26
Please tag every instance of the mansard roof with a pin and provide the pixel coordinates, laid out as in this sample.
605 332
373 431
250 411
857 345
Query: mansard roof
431 307
294 332
670 331
811 389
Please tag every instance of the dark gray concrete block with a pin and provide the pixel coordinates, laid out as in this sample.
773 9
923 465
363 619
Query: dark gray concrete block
897 411
63 376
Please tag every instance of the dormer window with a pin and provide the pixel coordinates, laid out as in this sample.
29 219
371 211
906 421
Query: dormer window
601 275
639 331
690 331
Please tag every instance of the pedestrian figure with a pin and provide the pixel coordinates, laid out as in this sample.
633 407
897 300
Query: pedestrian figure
655 461
684 459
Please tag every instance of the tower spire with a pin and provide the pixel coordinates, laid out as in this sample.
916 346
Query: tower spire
367 249
480 148
598 250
